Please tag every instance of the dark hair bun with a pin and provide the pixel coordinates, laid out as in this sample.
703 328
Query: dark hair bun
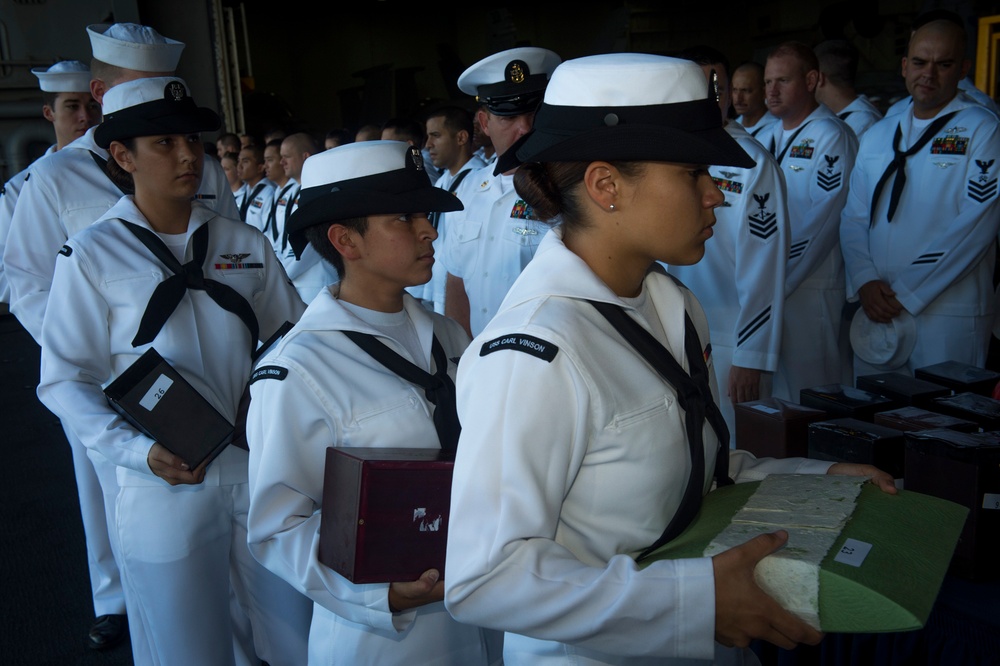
533 182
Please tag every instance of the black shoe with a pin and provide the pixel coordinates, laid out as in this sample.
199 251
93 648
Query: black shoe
107 632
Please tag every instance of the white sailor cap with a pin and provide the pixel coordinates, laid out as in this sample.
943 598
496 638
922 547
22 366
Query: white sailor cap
67 76
510 82
134 46
151 106
884 346
364 178
627 106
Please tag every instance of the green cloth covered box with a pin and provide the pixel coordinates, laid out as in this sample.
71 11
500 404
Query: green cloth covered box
883 570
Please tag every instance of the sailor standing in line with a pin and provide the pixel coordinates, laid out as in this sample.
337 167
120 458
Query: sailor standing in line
494 238
70 189
72 110
162 271
816 152
919 226
337 379
66 192
741 279
580 442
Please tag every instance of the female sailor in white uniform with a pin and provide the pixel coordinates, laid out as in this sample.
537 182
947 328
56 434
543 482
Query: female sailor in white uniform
576 452
162 270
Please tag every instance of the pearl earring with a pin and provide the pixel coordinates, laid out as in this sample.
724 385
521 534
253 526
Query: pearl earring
611 207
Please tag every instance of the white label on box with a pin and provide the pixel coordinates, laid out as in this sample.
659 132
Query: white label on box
853 552
426 525
766 409
991 501
155 392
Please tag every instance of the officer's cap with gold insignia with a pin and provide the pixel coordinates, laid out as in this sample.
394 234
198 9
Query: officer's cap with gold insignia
134 46
510 82
150 107
628 107
68 76
364 178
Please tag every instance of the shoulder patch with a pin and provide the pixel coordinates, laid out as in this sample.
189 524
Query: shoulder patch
986 187
523 343
763 223
269 372
65 250
826 178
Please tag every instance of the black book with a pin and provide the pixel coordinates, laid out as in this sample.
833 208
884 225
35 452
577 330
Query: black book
160 403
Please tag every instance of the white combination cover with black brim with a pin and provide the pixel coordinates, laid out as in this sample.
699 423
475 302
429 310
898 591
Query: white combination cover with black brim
67 192
587 460
319 389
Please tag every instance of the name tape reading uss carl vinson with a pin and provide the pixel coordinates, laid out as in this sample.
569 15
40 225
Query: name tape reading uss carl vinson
269 372
523 343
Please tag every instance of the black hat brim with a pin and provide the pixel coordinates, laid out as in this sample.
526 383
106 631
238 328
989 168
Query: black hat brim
187 120
685 132
383 194
627 143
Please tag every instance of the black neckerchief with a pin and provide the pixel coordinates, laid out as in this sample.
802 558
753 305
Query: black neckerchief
694 396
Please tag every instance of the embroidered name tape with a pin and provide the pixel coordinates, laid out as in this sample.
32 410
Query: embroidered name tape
523 343
269 372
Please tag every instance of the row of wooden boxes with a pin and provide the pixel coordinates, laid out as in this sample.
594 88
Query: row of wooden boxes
937 432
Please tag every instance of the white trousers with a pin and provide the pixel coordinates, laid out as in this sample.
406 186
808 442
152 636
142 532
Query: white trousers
813 345
97 487
184 559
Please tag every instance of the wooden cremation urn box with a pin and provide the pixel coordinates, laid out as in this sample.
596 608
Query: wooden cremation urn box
963 468
909 419
852 440
774 428
385 513
960 377
160 403
840 400
903 388
972 406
